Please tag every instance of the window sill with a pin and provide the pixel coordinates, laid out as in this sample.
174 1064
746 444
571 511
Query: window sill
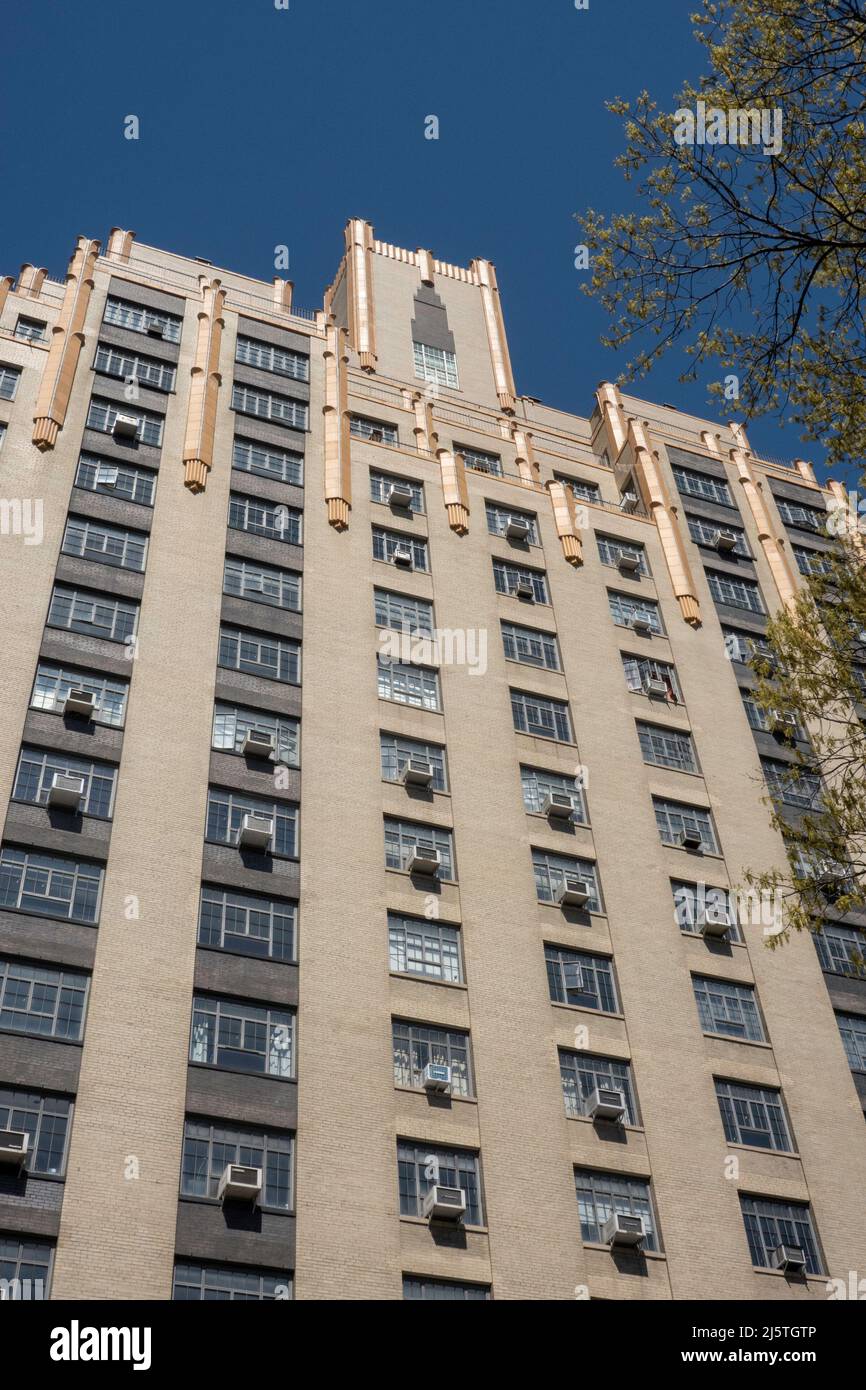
419 1091
44 1037
720 940
683 771
428 980
587 1120
697 855
577 824
195 1200
82 816
404 873
584 1009
817 1279
757 1149
246 955
744 1042
403 704
533 665
434 791
51 916
644 1254
262 854
587 911
239 1071
548 738
402 569
272 763
457 1225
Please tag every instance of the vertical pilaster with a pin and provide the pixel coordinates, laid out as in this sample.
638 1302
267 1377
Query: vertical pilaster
204 389
658 503
338 474
485 276
359 269
67 340
562 501
778 557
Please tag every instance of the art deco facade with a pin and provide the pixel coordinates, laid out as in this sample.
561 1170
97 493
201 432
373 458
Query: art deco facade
262 863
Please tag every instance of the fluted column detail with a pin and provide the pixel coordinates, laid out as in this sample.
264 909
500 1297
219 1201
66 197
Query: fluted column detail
67 340
650 480
525 456
338 475
778 557
119 244
610 405
805 469
423 429
6 283
503 377
562 500
359 269
282 292
454 490
204 390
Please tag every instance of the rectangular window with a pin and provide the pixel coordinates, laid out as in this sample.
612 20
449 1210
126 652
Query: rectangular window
375 431
232 723
541 717
625 608
600 1195
268 358
101 416
404 836
239 1036
692 484
480 461
499 518
841 950
249 579
753 1115
30 330
272 658
743 646
853 1030
436 364
812 561
640 670
105 545
666 747
396 752
537 785
406 684
402 613
806 518
25 1268
53 683
612 549
429 1290
770 1223
209 1148
79 610
674 820
273 520
44 1001
247 923
9 378
226 811
387 544
530 646
2 432
583 980
416 1045
116 479
139 319
131 366
268 405
37 768
758 718
510 579
581 489
267 461
46 1119
728 1008
417 946
422 1166
581 1073
551 871
382 483
225 1284
791 784
705 532
50 885
695 903
736 593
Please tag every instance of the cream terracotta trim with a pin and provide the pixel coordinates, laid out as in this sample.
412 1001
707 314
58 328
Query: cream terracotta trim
650 480
362 320
778 556
562 501
205 383
283 291
335 412
740 438
491 306
67 340
851 526
613 415
119 244
710 442
454 490
6 283
423 428
805 470
525 459
30 281
425 266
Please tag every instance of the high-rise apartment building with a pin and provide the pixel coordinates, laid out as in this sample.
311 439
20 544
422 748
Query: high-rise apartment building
377 761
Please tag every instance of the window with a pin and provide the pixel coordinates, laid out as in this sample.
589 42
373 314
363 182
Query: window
232 723
396 752
480 461
853 1030
130 366
841 950
675 820
273 520
402 613
376 431
550 873
259 583
247 923
2 432
599 1195
806 518
226 810
666 747
753 1115
403 836
37 768
506 578
50 885
381 484
541 717
139 319
116 479
30 330
581 490
640 669
725 1007
209 1148
9 378
44 1001
417 946
537 785
743 646
758 718
268 461
273 658
78 610
415 1045
771 1223
222 1283
530 646
704 532
421 1167
406 684
385 543
46 1119
692 484
812 561
53 683
611 550
240 1036
791 784
269 358
624 608
436 364
101 416
737 593
576 977
499 518
106 545
430 1289
581 1073
267 405
25 1268
697 902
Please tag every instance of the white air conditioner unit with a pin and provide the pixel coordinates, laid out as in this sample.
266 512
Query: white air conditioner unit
784 724
622 1230
66 791
14 1144
642 623
445 1204
628 562
629 502
523 589
424 861
606 1103
81 703
517 529
690 837
240 1183
790 1258
655 688
417 773
258 743
558 805
402 555
399 495
125 427
574 892
713 923
437 1077
724 541
256 832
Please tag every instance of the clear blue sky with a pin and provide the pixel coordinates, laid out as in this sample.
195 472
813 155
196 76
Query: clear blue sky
262 126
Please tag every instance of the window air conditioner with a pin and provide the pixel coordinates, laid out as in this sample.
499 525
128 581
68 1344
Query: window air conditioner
517 529
445 1204
606 1103
258 744
714 923
402 555
628 562
81 703
14 1144
690 837
437 1078
125 427
574 892
423 861
629 502
399 495
724 542
240 1184
558 805
655 688
256 832
417 773
790 1258
622 1230
66 791
642 623
783 724
523 589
